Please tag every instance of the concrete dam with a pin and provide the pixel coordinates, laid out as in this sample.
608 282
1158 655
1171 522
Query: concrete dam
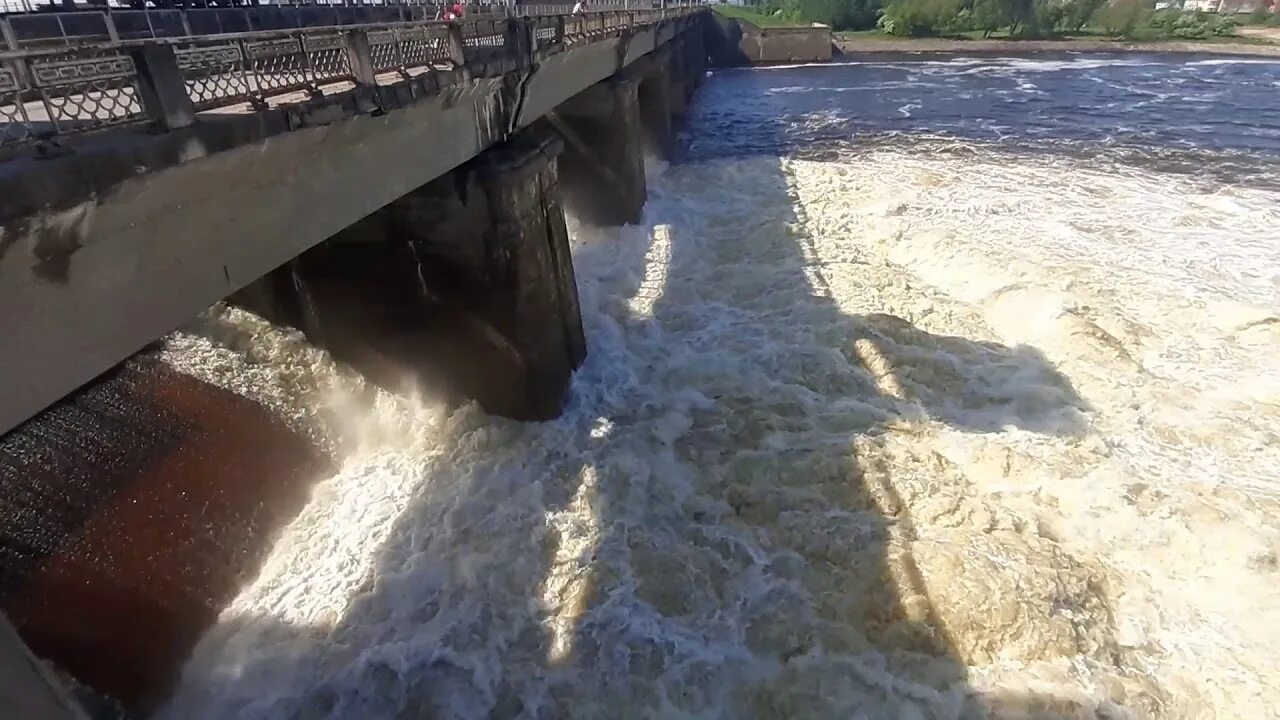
395 190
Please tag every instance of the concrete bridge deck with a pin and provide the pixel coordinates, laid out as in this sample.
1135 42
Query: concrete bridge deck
142 181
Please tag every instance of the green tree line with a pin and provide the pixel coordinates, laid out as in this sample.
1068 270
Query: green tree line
1135 19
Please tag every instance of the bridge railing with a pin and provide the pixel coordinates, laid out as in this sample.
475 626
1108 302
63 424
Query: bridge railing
66 91
45 29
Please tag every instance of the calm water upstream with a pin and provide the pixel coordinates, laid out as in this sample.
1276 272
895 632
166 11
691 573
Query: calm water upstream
930 387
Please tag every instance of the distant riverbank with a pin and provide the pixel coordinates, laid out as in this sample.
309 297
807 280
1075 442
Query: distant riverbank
893 44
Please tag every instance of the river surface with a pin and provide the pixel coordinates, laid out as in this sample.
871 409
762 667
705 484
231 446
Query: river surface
930 387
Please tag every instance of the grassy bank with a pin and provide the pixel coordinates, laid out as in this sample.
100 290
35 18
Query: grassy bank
753 16
873 41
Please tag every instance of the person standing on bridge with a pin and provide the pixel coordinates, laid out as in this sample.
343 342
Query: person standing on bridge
579 7
452 12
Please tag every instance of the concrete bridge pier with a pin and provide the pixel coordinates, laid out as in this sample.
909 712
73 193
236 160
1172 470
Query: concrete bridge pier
603 163
688 69
465 283
681 85
657 111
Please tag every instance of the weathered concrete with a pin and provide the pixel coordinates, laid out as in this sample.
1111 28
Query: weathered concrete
739 42
668 80
466 279
787 44
603 166
113 244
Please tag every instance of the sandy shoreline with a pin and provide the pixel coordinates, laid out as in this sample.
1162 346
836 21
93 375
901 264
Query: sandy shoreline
849 47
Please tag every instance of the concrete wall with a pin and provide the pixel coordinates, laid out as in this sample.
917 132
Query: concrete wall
782 45
738 42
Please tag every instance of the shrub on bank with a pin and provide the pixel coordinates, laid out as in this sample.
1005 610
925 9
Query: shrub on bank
918 18
1123 17
1189 26
839 14
1263 16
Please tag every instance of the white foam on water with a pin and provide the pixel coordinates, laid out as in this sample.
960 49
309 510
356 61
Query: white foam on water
1157 300
1077 63
915 434
1236 61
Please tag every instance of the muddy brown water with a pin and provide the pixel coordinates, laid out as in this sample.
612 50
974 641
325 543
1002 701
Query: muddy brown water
130 514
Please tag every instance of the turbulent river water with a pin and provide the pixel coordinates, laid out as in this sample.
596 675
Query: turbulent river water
928 388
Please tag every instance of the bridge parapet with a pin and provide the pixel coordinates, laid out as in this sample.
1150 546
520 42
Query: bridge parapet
56 92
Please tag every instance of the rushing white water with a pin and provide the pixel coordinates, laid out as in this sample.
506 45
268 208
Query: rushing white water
913 432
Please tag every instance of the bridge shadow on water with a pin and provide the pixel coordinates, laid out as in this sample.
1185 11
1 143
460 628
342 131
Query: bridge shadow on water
721 525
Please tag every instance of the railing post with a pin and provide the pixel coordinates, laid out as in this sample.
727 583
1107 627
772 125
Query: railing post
111 27
10 40
163 89
518 40
359 58
457 48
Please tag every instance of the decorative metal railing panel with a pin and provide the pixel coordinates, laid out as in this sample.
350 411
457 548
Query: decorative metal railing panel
15 124
546 32
88 93
78 88
384 51
278 66
327 57
575 30
485 34
417 47
214 74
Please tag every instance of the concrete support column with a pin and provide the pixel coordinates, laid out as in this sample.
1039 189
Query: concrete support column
603 164
465 283
689 67
696 52
657 87
677 72
359 57
163 90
